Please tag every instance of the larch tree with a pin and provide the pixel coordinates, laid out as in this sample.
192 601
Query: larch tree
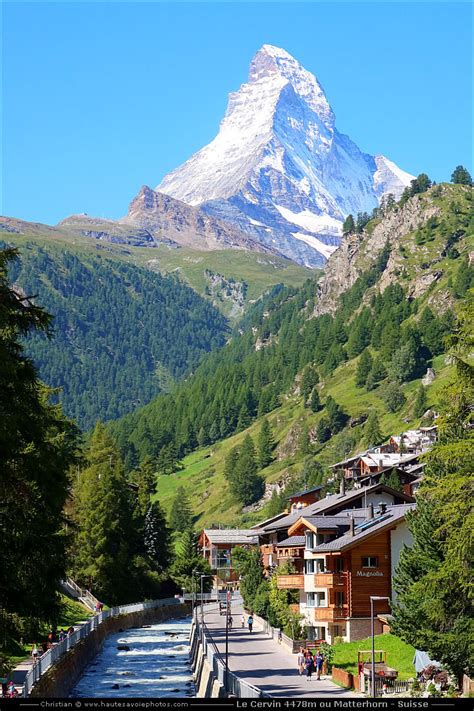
181 516
372 433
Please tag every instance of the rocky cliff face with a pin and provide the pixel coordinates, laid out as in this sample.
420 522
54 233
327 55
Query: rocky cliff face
279 170
185 225
358 251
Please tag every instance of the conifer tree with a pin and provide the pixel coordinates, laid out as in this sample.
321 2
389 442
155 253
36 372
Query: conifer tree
38 445
181 517
315 402
230 463
189 564
105 524
246 485
157 537
461 176
323 430
335 415
348 226
372 434
434 576
265 445
364 367
421 402
308 382
145 477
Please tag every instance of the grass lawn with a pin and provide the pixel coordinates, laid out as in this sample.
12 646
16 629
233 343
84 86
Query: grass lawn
71 613
399 654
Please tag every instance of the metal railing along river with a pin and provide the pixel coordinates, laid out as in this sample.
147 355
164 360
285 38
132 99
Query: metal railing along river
52 655
231 683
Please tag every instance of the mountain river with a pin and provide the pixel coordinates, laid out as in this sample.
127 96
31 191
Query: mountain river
155 665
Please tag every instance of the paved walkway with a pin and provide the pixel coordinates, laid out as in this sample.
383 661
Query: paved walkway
263 662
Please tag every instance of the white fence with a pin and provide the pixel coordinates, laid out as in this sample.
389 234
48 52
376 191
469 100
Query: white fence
52 655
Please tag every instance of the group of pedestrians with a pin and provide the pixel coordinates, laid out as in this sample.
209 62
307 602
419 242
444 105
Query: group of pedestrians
308 664
9 691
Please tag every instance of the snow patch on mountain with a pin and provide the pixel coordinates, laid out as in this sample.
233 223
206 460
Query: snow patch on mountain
279 161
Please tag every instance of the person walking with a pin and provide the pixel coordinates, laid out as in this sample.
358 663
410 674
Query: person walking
300 661
35 652
309 666
250 622
230 622
242 621
319 665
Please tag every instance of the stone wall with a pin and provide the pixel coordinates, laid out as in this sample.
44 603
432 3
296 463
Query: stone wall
60 678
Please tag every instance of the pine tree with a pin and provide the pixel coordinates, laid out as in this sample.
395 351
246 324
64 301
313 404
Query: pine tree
392 480
157 537
336 416
434 576
315 402
38 445
188 562
461 176
376 375
348 226
246 485
105 522
145 477
181 517
421 402
323 430
372 433
308 382
265 445
364 367
230 463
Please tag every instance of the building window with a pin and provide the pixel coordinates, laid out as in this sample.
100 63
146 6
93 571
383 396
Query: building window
339 598
316 599
338 565
314 566
370 561
310 540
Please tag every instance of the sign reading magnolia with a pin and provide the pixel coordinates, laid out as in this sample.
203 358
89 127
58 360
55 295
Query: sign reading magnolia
369 573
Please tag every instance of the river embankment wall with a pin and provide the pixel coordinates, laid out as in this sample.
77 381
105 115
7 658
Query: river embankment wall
62 676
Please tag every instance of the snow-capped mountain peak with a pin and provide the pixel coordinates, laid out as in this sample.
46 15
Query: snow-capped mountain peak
278 169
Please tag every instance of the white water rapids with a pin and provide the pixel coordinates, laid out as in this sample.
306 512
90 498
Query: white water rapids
156 665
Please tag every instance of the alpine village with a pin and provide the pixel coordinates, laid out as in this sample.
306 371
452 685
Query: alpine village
237 425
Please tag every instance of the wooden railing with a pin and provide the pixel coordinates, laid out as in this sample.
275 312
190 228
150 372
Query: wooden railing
290 582
330 613
330 579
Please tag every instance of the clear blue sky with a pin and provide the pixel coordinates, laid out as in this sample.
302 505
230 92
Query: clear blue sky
100 98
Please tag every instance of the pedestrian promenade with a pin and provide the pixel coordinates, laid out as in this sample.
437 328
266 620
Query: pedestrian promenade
261 661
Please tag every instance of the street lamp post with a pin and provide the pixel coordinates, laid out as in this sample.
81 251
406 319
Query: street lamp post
374 598
203 575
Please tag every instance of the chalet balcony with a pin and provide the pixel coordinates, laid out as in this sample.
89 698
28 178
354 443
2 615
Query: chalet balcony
290 582
330 614
330 580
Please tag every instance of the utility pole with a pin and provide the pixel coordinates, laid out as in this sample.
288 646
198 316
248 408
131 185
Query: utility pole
374 598
227 616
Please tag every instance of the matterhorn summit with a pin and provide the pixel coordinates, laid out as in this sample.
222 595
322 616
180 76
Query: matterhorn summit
279 170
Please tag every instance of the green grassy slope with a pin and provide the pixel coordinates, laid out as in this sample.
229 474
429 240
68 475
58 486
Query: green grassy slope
258 271
203 470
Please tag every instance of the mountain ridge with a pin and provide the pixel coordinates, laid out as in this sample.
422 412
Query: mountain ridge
278 154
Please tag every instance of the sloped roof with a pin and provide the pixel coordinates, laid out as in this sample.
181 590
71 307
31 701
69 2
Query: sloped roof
292 541
306 491
319 507
366 528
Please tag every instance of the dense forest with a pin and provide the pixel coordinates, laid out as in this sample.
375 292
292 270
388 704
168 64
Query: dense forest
121 333
396 337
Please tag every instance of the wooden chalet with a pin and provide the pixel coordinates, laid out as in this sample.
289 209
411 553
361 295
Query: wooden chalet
217 545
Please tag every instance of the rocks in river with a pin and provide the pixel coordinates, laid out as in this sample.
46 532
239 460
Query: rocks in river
127 673
146 627
115 686
123 647
127 686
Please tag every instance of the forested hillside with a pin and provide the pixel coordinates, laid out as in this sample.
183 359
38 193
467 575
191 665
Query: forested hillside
315 376
121 333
